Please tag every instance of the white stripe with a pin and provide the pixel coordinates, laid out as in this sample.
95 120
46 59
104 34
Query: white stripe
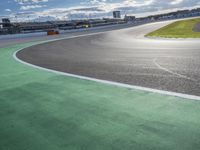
172 72
185 96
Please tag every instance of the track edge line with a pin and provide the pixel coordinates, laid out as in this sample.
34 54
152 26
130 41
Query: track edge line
168 93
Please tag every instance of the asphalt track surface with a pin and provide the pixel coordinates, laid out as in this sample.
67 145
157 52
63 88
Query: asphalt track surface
9 40
125 56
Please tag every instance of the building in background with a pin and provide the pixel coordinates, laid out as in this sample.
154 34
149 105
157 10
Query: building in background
129 18
116 14
6 27
6 22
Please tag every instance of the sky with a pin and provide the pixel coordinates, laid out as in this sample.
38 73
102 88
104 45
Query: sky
77 9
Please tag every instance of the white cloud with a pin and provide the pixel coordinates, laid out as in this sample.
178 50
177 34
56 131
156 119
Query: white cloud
28 7
8 10
31 4
108 6
175 2
104 8
25 2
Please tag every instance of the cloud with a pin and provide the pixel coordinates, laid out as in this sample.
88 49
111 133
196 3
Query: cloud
8 10
25 2
30 4
104 8
72 12
110 6
28 7
175 2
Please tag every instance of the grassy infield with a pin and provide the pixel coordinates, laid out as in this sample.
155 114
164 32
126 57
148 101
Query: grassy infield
44 111
179 29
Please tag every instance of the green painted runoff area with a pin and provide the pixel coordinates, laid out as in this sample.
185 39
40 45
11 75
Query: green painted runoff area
41 110
179 29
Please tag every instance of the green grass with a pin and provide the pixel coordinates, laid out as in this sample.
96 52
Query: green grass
44 111
179 29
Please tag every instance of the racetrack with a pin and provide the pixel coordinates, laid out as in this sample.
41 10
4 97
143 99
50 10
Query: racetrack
7 40
125 56
49 111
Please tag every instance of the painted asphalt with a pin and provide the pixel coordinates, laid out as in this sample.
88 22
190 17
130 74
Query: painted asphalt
40 110
125 56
